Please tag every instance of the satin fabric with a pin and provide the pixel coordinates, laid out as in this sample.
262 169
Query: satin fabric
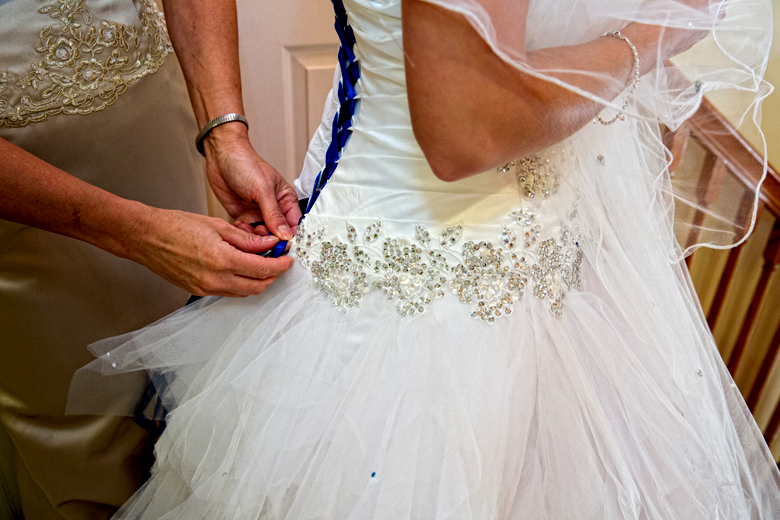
57 294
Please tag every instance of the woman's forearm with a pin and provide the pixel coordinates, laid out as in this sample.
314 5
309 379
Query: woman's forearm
35 193
202 255
38 194
205 37
472 111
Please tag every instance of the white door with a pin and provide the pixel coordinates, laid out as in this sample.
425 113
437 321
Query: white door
288 52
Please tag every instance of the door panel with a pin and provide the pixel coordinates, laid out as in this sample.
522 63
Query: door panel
307 78
288 51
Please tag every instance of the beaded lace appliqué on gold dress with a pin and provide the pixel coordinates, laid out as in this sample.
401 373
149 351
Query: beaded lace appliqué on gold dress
84 64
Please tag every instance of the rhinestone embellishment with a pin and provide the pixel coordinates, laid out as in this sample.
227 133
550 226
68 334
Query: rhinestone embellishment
89 74
413 272
537 176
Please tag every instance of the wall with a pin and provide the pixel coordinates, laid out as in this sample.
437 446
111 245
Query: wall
771 120
770 123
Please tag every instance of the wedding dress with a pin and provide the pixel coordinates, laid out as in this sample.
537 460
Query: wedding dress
521 344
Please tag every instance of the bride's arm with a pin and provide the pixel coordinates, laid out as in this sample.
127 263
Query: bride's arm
471 111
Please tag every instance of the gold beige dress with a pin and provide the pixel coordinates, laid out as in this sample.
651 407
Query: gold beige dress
92 87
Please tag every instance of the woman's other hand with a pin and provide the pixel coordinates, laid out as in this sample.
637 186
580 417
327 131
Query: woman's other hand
205 36
202 255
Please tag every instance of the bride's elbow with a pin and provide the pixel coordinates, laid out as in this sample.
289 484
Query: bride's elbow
452 161
453 151
447 169
474 138
457 152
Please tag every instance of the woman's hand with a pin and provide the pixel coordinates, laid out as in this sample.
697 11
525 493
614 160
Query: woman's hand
249 188
205 36
202 255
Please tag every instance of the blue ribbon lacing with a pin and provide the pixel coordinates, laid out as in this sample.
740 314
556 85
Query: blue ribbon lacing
151 413
348 102
341 129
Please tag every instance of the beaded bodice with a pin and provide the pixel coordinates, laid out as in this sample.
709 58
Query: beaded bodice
381 220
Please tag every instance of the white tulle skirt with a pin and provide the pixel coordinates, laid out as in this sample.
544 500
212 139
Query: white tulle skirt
286 408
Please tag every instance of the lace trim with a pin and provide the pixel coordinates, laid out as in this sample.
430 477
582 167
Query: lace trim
76 74
414 272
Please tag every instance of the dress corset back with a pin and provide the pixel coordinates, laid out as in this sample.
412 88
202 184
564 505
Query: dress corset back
401 182
377 209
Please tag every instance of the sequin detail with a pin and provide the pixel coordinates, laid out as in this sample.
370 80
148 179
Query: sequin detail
537 176
84 64
413 272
